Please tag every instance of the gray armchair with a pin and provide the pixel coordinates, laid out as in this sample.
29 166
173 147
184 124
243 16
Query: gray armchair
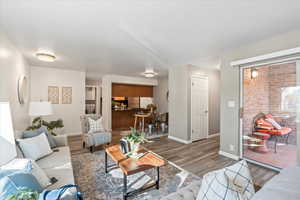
91 140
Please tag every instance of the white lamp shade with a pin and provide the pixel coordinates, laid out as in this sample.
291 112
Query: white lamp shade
40 108
7 139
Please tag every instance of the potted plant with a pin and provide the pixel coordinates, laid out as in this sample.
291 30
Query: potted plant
135 139
51 126
24 194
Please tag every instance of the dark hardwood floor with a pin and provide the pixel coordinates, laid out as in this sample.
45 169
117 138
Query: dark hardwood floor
198 157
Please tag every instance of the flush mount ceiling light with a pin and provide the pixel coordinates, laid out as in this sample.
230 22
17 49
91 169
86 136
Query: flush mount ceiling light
47 57
149 72
254 73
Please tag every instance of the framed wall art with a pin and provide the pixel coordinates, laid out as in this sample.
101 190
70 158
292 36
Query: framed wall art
66 95
53 94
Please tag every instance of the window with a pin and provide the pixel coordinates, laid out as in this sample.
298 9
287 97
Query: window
290 99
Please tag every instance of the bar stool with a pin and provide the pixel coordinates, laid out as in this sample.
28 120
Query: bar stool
142 118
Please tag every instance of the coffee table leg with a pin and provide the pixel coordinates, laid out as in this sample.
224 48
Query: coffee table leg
125 187
106 162
157 180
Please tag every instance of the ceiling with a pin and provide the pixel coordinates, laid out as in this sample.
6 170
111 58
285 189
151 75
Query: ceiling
124 36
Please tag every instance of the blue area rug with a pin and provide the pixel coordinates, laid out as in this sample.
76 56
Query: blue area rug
96 184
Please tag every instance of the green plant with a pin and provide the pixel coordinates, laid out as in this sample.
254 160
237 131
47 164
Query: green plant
38 122
135 137
24 194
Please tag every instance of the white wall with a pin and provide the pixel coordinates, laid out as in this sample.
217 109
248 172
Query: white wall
230 84
160 94
42 77
178 103
12 65
107 81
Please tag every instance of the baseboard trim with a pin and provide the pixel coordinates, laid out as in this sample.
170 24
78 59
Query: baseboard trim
213 135
179 140
229 155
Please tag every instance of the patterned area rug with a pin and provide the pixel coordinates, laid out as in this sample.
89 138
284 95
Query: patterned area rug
96 184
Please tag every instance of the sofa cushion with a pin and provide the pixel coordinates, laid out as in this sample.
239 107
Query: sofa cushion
58 165
95 139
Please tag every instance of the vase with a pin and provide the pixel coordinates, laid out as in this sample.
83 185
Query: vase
134 147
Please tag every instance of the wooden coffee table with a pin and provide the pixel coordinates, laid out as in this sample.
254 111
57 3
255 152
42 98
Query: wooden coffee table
130 166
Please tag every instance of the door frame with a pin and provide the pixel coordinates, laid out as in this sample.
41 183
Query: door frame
241 105
191 101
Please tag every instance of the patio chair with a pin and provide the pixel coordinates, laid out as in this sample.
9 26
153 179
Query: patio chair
262 126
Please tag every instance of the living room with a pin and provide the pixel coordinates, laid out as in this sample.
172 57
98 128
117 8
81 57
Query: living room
75 76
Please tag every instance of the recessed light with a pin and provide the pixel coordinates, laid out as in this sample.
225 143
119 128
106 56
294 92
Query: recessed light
47 57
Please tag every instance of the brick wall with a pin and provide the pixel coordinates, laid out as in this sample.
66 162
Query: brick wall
256 96
263 94
282 76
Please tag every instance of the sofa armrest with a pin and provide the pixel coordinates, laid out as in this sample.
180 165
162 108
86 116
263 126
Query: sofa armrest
61 140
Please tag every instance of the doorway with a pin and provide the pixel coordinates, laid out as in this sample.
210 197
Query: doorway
199 107
269 96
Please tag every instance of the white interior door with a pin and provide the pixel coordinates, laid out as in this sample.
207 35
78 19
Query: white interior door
199 108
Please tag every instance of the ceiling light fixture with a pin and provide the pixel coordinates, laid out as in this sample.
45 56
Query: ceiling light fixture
149 72
47 57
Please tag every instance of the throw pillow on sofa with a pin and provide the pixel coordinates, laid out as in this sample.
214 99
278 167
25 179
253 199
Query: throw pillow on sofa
27 180
215 186
33 133
231 183
95 125
7 187
239 175
35 147
27 165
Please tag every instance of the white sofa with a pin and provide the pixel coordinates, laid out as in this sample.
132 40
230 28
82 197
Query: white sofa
58 164
285 185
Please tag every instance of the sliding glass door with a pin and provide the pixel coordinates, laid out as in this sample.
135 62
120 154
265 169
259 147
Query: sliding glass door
270 97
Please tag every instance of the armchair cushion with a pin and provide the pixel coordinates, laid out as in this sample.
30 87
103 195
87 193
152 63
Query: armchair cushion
96 139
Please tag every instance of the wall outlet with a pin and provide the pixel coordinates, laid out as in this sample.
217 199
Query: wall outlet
231 147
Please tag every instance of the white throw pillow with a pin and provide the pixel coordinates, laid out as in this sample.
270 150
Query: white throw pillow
35 147
274 123
239 175
95 125
22 164
231 183
215 186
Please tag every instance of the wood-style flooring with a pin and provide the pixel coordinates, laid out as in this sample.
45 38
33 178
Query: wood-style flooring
198 157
